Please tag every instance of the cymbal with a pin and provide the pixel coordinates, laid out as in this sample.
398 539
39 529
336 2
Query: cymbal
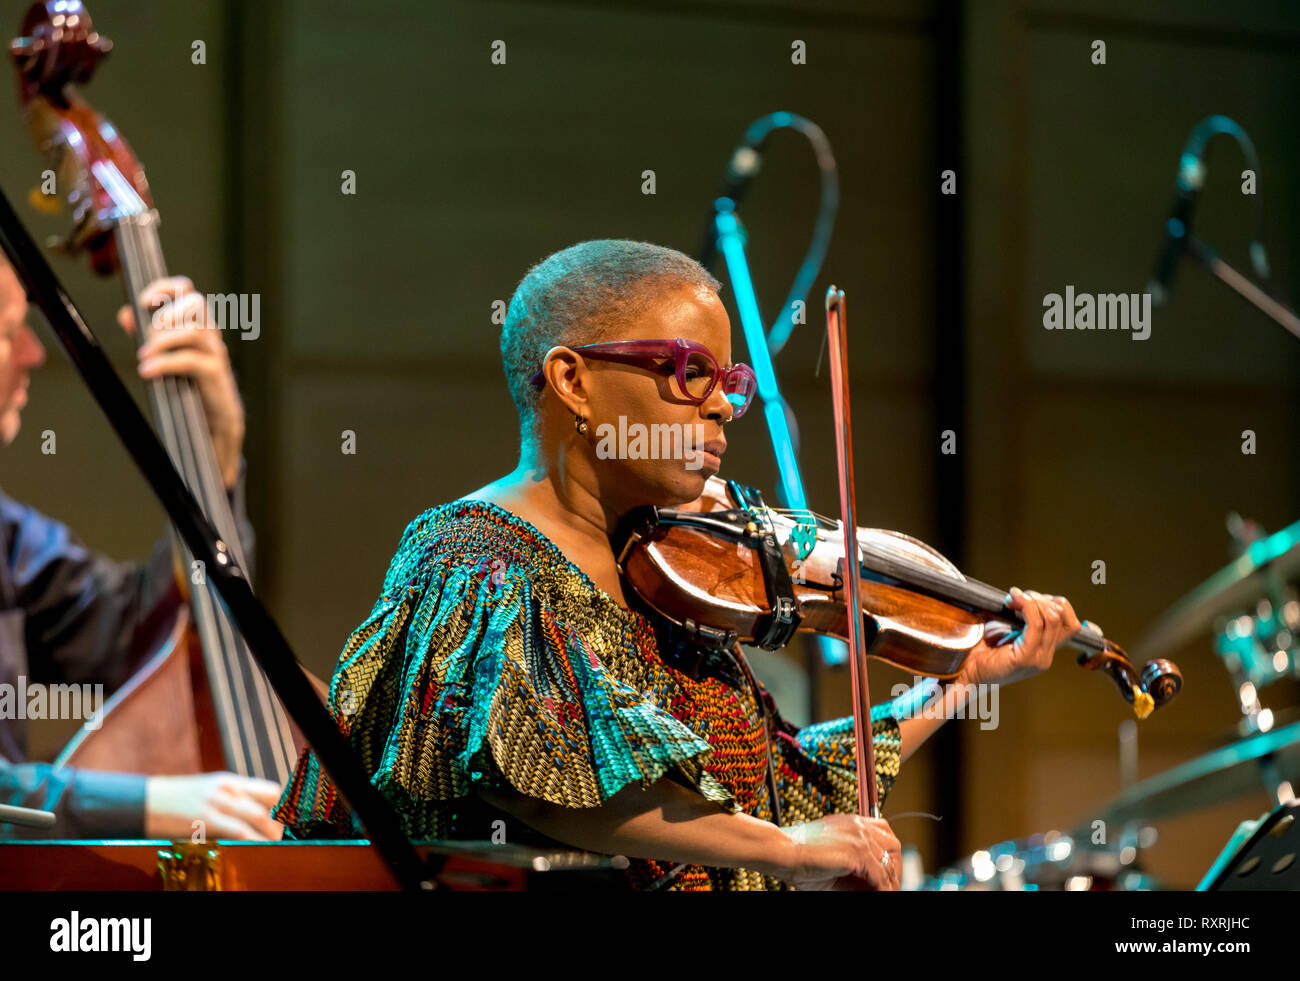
1230 590
1236 770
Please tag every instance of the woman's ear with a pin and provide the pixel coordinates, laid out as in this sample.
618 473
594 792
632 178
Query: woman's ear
565 373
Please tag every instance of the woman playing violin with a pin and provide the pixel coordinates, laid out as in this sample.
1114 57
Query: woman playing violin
505 682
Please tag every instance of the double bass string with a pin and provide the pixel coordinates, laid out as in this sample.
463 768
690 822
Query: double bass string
248 684
261 750
165 394
276 757
140 272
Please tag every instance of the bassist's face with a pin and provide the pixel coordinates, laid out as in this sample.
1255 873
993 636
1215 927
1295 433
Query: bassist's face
20 351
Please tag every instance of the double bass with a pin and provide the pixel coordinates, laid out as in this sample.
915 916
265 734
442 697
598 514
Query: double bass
199 702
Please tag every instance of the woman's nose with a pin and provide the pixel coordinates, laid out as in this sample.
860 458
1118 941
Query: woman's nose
718 406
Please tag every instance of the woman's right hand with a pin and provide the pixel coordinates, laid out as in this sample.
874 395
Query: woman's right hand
843 851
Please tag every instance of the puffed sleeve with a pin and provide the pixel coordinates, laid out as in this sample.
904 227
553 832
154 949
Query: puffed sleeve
462 677
817 765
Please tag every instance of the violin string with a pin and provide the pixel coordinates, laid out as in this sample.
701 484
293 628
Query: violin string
979 595
800 513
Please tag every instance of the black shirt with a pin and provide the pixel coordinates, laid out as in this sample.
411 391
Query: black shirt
69 615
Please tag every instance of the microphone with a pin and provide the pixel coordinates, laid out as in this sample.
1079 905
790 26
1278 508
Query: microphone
1191 175
746 161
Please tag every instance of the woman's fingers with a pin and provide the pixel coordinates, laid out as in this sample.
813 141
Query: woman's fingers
1052 626
1032 614
1066 621
884 854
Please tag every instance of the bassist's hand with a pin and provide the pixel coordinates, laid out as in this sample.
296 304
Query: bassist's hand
213 805
184 341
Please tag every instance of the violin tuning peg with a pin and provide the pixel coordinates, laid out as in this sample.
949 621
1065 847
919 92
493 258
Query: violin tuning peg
1143 704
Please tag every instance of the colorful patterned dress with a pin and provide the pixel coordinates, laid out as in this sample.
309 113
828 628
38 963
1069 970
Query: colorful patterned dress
491 659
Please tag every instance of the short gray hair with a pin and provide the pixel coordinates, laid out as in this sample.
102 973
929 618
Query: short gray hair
580 295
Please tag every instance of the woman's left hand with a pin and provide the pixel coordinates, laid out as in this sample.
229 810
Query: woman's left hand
1049 622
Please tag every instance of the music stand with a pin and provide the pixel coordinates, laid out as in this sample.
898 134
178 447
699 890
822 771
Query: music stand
1269 861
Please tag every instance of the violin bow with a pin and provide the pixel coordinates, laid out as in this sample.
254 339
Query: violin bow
868 801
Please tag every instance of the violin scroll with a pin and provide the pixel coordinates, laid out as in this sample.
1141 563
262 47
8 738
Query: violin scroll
1156 685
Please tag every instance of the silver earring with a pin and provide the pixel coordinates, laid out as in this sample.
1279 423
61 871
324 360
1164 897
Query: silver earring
580 424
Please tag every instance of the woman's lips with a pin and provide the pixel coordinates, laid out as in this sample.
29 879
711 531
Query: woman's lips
709 455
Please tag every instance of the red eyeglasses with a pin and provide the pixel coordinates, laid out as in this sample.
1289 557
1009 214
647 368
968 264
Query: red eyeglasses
694 365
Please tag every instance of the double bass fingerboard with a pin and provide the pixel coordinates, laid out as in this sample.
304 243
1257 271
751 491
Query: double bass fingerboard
254 728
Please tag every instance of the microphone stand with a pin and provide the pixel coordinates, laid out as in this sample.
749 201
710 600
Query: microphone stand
730 237
1191 177
1243 287
259 630
731 240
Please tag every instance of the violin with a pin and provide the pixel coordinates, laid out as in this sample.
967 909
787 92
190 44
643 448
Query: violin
727 568
201 702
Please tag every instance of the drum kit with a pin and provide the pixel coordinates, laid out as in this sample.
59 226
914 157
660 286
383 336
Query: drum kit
1252 608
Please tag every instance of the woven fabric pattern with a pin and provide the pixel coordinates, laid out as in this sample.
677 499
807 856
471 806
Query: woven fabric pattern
490 660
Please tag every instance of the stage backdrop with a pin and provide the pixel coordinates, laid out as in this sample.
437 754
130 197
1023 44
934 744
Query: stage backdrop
377 305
